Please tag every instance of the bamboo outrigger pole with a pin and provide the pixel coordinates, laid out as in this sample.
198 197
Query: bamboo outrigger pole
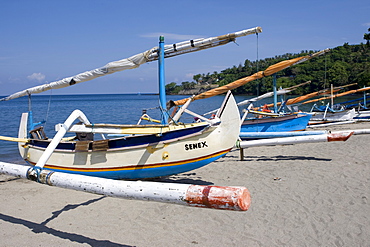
329 137
338 95
216 197
309 96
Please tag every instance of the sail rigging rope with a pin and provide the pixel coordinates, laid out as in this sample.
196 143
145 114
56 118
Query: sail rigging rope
48 109
257 64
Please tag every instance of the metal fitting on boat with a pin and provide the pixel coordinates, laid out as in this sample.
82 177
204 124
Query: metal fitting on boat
165 155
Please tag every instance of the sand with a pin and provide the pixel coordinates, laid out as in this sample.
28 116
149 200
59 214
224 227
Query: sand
302 195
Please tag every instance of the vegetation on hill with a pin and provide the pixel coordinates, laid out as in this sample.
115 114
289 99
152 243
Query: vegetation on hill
342 65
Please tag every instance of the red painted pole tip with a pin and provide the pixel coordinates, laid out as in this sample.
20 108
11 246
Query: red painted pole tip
218 197
342 136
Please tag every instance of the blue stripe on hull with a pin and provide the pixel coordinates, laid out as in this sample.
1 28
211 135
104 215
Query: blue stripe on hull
130 141
146 172
294 124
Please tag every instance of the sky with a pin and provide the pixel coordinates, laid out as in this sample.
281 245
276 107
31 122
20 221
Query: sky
42 41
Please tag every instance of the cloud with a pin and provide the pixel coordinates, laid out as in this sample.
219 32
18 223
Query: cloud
36 77
366 24
189 75
171 36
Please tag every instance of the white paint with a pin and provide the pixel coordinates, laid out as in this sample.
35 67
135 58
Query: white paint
292 140
230 198
76 114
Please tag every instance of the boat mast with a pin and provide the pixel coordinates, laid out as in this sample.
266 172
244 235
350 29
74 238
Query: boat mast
365 100
162 89
275 94
332 93
31 125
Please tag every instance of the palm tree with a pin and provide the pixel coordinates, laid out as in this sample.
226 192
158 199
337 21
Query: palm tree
367 37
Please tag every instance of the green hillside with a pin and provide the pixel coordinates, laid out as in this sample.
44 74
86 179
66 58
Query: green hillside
342 65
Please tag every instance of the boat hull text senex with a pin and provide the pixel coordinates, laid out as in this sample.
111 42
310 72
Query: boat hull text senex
138 156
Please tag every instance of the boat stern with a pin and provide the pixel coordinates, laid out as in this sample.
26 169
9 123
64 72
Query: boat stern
22 133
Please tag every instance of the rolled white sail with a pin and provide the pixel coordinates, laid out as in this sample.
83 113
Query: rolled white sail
203 43
270 94
137 60
264 96
128 63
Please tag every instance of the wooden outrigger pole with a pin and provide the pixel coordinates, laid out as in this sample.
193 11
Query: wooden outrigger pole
311 95
216 197
332 96
319 136
327 137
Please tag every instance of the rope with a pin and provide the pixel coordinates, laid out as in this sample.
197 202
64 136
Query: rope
48 110
29 101
154 108
258 88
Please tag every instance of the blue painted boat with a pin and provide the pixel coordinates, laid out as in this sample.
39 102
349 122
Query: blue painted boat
284 123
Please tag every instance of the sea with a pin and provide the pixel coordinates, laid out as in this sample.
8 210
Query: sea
99 108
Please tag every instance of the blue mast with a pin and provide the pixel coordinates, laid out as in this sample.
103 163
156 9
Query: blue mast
365 100
31 124
162 89
275 93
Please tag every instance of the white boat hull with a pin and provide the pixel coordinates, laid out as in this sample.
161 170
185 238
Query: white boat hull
362 116
336 116
169 153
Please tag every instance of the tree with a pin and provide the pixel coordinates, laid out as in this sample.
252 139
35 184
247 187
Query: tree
338 74
172 88
197 78
188 85
367 37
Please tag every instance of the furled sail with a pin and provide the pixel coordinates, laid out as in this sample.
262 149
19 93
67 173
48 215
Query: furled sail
264 96
308 96
338 95
137 60
248 101
269 71
270 94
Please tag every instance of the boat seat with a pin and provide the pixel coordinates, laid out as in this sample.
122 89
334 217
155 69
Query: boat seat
101 145
38 133
84 146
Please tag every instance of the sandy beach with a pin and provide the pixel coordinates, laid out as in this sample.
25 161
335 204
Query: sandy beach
313 194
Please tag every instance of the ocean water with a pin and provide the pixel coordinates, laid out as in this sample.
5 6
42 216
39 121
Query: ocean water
112 109
100 108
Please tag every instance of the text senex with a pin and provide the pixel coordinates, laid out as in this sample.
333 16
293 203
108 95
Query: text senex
196 145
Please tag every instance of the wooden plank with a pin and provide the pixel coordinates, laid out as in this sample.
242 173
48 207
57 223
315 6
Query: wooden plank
13 139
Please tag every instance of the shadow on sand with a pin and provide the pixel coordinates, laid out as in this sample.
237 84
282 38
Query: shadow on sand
42 228
282 157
